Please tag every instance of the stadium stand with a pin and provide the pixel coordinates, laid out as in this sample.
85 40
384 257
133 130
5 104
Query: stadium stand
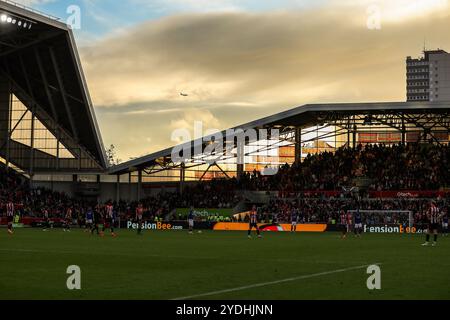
328 154
398 167
410 166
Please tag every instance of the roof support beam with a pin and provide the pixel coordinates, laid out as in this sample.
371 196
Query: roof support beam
298 145
139 185
44 79
182 177
55 128
205 172
11 45
426 130
52 88
63 95
33 114
29 44
226 175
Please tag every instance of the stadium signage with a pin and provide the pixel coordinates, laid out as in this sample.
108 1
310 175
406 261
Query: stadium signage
394 228
408 194
206 212
382 229
237 226
154 226
411 230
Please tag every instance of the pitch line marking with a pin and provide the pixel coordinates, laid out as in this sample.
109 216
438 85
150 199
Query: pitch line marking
263 284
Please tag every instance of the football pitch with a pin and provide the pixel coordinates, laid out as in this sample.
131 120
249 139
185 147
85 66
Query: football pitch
220 265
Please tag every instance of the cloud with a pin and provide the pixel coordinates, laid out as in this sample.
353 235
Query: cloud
191 5
190 116
33 2
239 66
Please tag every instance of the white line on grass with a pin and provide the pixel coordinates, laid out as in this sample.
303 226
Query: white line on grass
263 284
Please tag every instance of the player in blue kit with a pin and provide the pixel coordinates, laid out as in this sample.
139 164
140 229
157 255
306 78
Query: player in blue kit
97 219
89 219
294 219
191 216
445 223
358 223
138 218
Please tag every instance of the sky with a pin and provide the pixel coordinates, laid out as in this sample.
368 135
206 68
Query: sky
239 60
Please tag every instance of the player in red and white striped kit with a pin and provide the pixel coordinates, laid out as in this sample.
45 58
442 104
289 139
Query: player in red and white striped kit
253 222
343 224
434 218
10 216
109 219
349 222
46 222
67 220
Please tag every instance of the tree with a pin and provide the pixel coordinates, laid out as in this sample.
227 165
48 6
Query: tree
111 156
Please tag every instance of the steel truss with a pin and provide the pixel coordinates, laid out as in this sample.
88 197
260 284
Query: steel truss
327 125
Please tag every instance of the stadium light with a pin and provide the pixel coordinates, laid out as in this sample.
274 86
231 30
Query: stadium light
24 23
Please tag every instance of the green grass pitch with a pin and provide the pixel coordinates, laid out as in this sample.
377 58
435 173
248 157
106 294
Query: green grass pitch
174 264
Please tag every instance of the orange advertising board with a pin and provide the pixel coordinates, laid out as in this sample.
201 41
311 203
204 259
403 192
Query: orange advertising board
240 226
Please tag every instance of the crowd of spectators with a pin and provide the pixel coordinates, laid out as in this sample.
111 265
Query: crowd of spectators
409 167
31 202
217 194
399 167
221 194
327 210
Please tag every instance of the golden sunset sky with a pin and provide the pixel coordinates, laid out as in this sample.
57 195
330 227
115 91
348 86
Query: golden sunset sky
238 64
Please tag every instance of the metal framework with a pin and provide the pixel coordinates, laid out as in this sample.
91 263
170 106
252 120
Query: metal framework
42 80
304 130
47 123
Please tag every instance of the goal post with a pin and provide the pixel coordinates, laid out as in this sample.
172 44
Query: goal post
388 217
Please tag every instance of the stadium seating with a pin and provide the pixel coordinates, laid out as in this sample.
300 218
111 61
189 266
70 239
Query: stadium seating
411 167
318 181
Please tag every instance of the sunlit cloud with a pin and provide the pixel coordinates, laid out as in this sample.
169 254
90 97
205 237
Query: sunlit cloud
33 2
397 11
238 66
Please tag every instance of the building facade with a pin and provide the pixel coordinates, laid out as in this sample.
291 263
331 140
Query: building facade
428 77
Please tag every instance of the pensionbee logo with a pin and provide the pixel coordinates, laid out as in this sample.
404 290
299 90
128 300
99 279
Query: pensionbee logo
411 230
153 226
392 229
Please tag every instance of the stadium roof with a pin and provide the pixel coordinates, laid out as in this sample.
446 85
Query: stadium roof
39 58
303 117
